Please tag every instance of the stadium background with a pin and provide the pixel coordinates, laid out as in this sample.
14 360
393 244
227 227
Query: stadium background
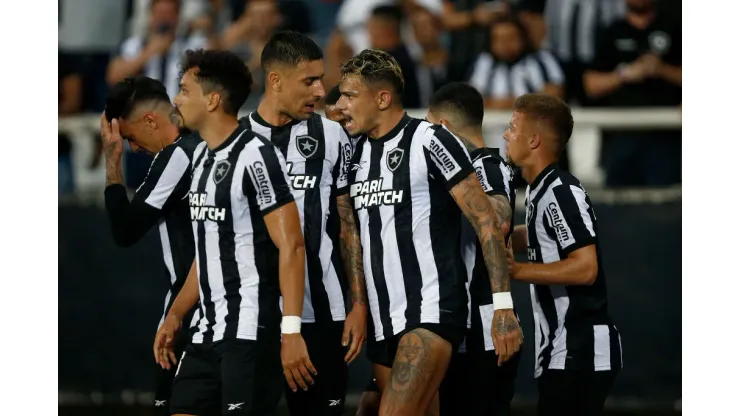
110 298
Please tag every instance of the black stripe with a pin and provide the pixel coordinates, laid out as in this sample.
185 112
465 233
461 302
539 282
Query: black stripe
246 122
547 303
375 224
312 222
614 348
266 260
227 244
575 12
280 137
411 272
210 312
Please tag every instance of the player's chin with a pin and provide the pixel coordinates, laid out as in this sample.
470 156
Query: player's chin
351 125
307 111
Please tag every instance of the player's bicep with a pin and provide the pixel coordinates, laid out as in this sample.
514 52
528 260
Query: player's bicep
474 203
284 227
266 178
502 209
569 214
448 160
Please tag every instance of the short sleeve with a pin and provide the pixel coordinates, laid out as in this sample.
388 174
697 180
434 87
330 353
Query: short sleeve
494 176
341 168
447 159
569 213
266 178
166 172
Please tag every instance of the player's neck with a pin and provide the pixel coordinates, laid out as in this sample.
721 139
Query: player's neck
532 170
387 121
270 112
216 130
472 140
171 133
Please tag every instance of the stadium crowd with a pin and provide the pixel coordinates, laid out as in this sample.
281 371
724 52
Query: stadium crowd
593 53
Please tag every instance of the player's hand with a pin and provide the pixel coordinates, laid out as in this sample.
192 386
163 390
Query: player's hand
506 333
355 330
112 140
297 366
164 350
160 43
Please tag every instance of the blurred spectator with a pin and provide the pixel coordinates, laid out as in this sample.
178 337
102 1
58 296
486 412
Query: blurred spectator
638 64
157 54
572 29
384 28
468 22
191 11
89 32
70 102
248 36
432 64
512 67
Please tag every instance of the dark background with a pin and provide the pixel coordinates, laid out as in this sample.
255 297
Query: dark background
110 302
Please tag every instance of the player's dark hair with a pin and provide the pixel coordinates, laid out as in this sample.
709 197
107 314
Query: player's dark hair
550 110
220 71
389 12
126 95
374 66
461 99
290 48
333 96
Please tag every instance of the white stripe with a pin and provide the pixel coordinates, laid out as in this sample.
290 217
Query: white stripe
586 30
164 313
391 257
555 73
506 175
535 73
213 259
550 208
541 328
580 197
500 85
201 321
486 317
602 348
518 79
548 247
168 180
482 73
167 251
420 224
563 28
560 342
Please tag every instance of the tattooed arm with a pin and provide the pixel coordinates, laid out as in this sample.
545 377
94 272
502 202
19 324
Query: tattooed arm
502 209
487 222
351 251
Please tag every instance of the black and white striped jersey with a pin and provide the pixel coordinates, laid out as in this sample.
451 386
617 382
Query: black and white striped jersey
160 200
317 152
410 225
496 178
234 186
572 326
498 80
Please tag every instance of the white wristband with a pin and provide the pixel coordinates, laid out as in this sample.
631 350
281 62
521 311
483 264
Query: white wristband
291 325
502 300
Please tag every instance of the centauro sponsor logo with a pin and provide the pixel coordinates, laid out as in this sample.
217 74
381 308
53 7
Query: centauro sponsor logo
557 221
259 174
370 193
199 211
300 181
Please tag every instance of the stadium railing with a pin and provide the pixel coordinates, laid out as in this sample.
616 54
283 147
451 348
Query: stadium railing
583 148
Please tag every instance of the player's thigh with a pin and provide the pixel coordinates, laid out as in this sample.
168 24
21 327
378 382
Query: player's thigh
420 364
269 371
195 389
558 393
595 387
249 383
370 399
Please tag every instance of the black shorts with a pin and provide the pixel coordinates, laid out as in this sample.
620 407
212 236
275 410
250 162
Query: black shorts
474 383
229 377
166 377
384 352
574 393
327 395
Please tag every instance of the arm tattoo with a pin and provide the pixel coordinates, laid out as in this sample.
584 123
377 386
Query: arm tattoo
478 210
113 173
468 144
351 250
502 209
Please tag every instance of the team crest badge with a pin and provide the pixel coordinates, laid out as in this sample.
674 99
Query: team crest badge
306 145
393 159
220 170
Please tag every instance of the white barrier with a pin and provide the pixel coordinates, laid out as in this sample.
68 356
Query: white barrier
583 148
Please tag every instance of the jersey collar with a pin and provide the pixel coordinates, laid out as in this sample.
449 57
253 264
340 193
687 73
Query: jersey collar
541 176
261 121
394 132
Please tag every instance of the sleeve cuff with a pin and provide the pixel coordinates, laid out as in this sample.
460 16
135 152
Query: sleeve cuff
464 173
278 204
579 244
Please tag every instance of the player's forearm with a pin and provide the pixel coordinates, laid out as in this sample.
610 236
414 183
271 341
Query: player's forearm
670 73
113 172
565 272
188 296
129 220
351 252
519 239
292 285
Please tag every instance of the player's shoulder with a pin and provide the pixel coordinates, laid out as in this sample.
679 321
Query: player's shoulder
188 142
566 181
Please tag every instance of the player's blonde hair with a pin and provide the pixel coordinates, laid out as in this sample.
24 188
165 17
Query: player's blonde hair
374 66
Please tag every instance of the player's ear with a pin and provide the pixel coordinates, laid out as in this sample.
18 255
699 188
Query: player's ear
274 81
150 120
384 98
535 140
214 99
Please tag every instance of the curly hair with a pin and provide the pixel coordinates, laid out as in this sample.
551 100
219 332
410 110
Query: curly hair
221 71
374 66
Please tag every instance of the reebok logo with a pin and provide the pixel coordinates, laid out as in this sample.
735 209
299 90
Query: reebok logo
159 403
335 402
235 406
